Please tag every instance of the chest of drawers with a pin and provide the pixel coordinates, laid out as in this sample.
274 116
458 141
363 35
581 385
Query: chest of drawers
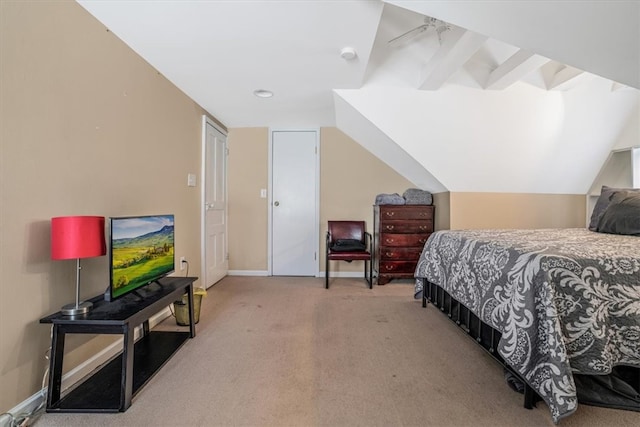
399 234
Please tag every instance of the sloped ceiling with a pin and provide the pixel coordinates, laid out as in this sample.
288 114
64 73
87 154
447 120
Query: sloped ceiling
219 52
601 37
526 96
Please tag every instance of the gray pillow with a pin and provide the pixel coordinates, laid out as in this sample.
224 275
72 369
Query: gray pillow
603 203
623 214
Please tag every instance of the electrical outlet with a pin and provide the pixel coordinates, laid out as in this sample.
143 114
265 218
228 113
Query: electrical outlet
183 263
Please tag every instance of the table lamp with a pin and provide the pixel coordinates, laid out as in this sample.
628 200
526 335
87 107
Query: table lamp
77 237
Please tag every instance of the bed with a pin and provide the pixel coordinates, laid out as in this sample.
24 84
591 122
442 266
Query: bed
551 304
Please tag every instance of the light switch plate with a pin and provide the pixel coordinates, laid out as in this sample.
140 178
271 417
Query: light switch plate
191 180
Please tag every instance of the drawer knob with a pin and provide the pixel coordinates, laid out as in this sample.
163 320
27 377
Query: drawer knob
389 240
390 213
388 267
389 254
390 227
423 227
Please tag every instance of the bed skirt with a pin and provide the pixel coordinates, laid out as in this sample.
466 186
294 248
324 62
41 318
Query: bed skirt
487 338
484 335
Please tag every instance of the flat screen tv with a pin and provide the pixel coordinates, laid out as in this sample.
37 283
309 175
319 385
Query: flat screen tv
141 251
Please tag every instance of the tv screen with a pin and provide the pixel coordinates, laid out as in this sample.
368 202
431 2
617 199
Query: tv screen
140 251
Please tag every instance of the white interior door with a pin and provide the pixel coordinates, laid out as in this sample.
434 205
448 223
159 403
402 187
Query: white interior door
294 195
216 264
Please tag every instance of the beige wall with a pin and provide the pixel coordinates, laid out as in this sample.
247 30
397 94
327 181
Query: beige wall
350 179
509 210
248 173
87 128
443 211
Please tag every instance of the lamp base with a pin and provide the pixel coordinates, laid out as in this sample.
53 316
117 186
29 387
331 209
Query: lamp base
76 310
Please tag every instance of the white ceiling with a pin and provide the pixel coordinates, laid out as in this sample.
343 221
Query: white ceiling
598 36
219 52
515 96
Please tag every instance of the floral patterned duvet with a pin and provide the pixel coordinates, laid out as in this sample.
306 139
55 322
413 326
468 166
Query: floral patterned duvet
565 300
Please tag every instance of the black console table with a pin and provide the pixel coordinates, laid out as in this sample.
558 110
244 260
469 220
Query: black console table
112 387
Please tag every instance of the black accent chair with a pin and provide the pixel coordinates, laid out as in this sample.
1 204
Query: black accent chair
349 241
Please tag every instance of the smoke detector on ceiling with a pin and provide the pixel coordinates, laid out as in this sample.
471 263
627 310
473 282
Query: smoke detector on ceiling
348 53
263 93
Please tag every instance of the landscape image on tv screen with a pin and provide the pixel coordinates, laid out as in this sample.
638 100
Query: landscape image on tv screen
142 250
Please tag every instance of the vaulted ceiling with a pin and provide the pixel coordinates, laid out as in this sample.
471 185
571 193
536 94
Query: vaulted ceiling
525 96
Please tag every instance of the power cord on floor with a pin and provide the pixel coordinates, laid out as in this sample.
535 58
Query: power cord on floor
26 419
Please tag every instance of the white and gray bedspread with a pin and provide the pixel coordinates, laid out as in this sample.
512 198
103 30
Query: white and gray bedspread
565 300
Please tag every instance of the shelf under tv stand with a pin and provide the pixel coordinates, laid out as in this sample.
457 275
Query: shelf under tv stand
111 388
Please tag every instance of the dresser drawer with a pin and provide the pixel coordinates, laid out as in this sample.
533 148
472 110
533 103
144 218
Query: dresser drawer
395 239
407 226
399 253
400 232
387 267
406 212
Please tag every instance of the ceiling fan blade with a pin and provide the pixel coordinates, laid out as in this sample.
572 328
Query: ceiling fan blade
409 34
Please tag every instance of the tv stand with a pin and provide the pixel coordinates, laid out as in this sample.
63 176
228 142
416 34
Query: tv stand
112 387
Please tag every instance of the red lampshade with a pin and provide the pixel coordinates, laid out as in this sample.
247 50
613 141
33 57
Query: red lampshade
77 237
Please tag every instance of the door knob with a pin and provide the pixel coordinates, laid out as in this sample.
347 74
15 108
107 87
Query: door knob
276 203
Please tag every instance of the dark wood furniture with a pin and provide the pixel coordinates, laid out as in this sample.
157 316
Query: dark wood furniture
399 234
348 241
112 387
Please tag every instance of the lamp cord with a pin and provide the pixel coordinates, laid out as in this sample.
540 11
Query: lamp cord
25 419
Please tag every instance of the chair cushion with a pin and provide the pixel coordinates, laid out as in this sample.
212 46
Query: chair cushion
348 245
349 256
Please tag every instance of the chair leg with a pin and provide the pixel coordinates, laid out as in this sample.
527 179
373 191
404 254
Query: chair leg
365 272
369 279
326 273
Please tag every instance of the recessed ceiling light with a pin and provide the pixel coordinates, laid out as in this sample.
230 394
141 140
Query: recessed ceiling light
262 93
348 53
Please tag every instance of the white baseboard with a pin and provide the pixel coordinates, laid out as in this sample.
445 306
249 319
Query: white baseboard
319 274
342 274
81 371
24 407
248 273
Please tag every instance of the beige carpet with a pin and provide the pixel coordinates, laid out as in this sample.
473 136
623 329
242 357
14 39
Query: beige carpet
287 352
